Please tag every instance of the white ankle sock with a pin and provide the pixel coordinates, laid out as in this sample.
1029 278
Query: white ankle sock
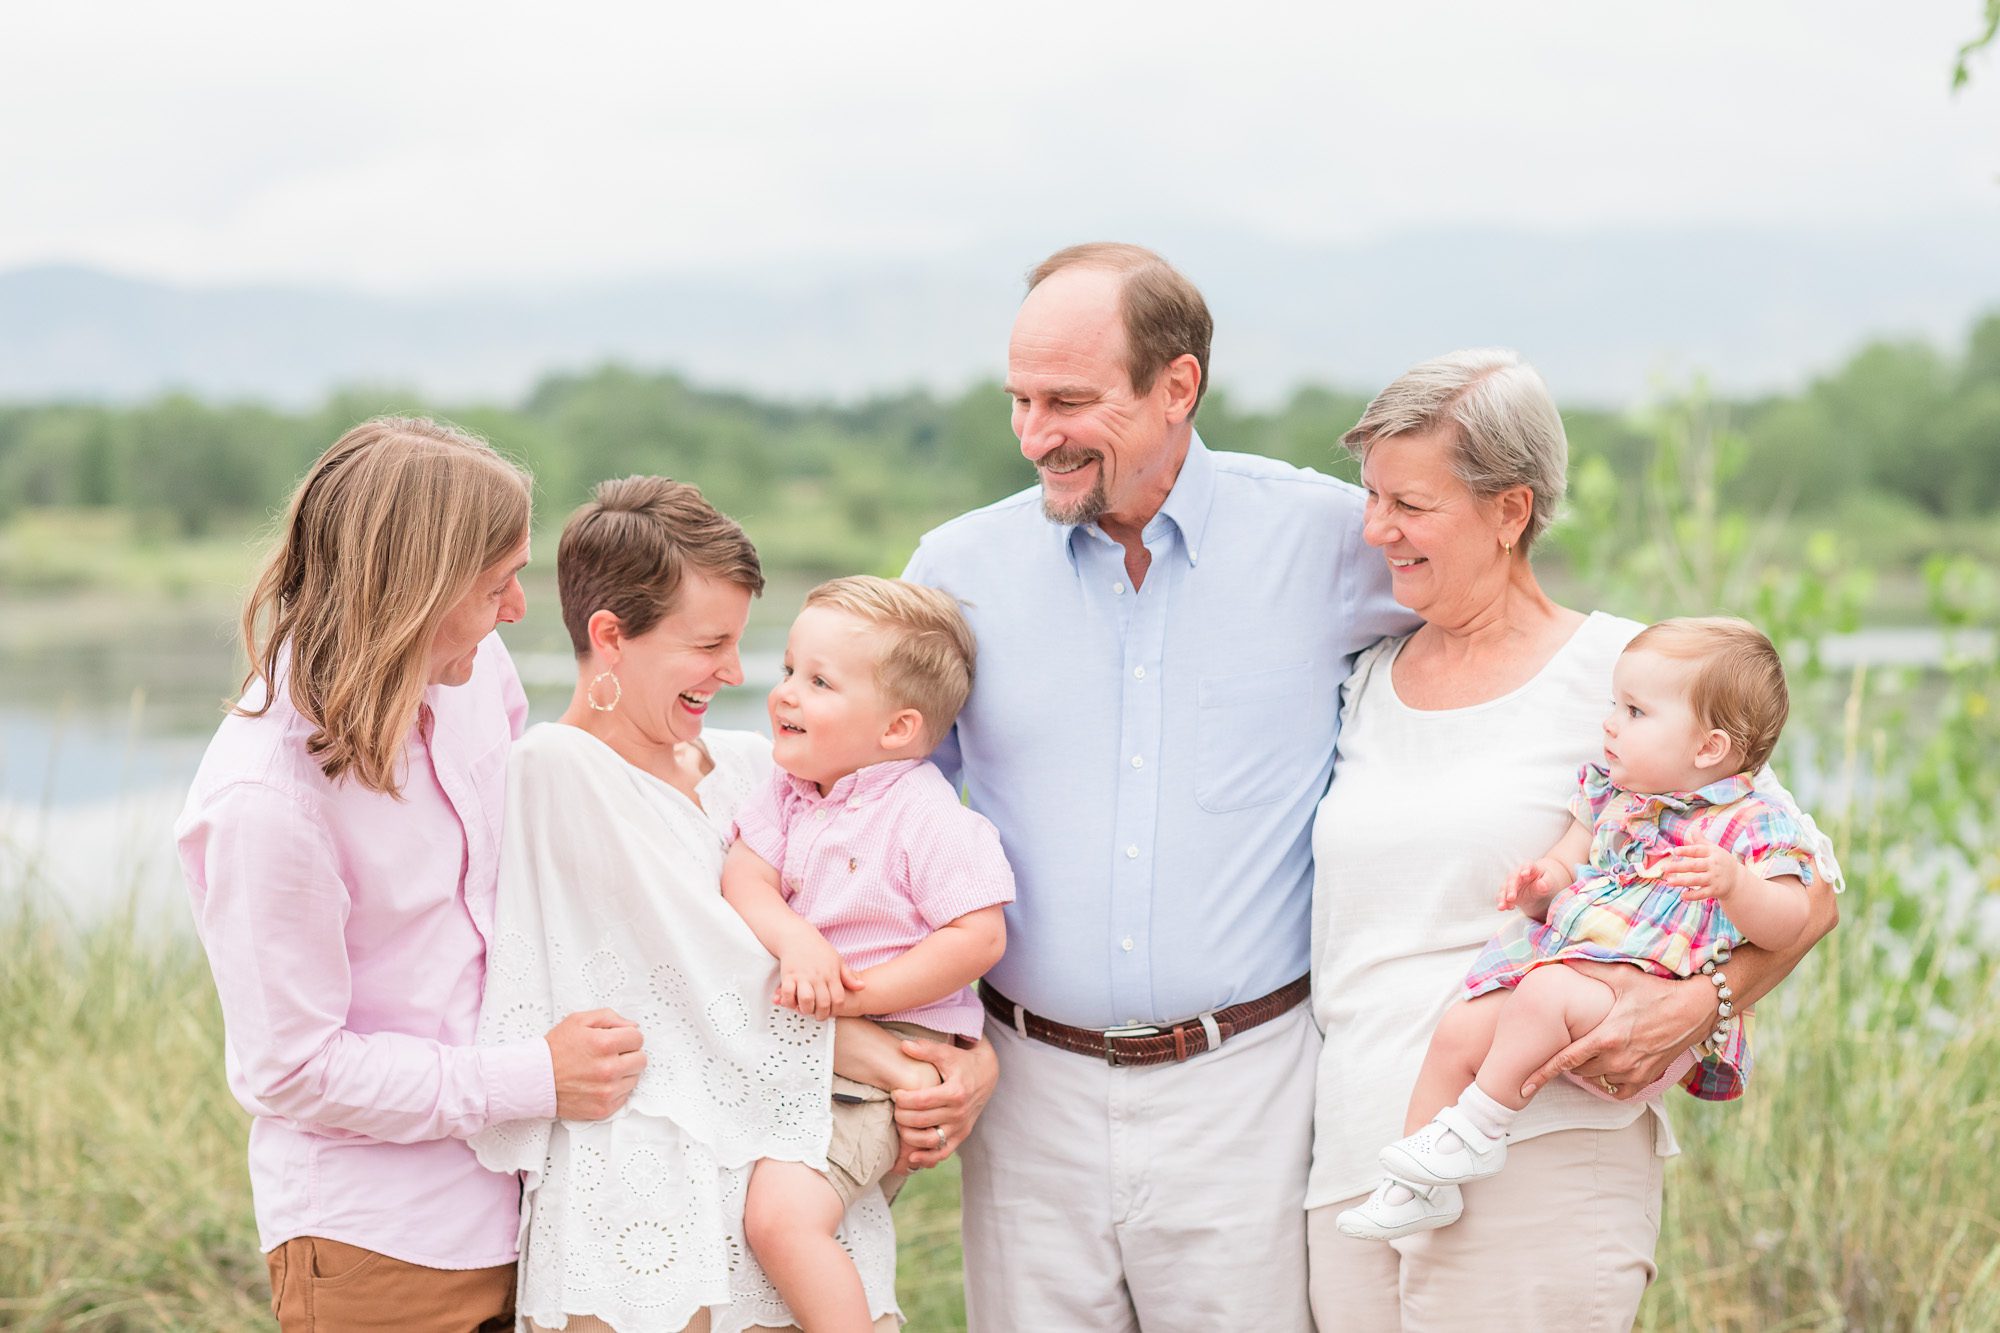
1487 1116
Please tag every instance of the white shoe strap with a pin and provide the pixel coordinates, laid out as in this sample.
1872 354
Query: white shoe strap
1458 1123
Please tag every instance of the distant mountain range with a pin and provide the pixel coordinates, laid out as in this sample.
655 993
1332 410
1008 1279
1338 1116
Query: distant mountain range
1605 314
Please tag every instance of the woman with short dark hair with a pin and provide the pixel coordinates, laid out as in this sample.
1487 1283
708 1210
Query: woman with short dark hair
618 818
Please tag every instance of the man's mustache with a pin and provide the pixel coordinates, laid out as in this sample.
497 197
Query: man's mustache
1068 456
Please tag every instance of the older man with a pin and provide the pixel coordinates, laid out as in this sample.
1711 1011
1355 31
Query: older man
1163 632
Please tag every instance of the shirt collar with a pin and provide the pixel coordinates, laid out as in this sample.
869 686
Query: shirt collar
858 787
1185 510
1726 791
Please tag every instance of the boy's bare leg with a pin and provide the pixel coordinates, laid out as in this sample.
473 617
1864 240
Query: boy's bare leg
790 1215
1461 1041
1553 1006
869 1053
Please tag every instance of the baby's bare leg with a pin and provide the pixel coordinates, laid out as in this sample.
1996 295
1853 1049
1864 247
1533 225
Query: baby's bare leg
790 1215
1461 1041
1552 1007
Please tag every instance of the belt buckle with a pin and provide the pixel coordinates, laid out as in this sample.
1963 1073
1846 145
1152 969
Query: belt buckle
1128 1030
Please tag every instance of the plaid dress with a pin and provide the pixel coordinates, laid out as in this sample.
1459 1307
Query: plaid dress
1620 911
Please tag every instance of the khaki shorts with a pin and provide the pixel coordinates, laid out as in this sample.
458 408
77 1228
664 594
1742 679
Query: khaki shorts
865 1143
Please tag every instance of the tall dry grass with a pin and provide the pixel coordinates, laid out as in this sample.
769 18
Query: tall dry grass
1857 1185
124 1195
1855 1188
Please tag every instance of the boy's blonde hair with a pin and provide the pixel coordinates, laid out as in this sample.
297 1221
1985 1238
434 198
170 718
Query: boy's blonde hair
928 650
1739 682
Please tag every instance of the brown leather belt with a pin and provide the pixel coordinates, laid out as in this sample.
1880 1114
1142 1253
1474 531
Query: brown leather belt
1147 1043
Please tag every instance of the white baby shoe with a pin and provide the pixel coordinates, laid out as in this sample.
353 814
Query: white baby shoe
1432 1157
1422 1208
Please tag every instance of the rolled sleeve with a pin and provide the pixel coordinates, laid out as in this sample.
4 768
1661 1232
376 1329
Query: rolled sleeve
955 865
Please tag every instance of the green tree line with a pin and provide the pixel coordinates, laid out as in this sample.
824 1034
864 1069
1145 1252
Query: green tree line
1901 435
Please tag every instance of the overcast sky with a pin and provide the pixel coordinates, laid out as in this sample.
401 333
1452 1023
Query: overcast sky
421 146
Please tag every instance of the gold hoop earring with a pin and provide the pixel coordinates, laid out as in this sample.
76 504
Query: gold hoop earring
617 692
1506 548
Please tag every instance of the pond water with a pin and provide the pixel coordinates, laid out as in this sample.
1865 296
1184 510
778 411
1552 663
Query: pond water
104 722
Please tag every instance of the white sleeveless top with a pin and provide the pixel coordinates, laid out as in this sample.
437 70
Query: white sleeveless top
610 898
1427 813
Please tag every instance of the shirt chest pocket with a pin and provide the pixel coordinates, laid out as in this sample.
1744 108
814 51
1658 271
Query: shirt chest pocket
1253 731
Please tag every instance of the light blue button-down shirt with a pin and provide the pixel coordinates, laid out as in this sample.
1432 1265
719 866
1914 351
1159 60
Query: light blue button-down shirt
1152 756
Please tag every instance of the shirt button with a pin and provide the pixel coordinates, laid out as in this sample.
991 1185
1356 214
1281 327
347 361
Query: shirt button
1138 673
1138 762
1118 588
1126 944
1132 852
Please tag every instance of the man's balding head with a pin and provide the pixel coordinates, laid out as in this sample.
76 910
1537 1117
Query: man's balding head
1164 314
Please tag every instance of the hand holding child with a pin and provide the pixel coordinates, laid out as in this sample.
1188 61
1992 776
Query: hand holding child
812 978
1702 870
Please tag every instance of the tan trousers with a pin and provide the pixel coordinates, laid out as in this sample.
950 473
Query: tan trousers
590 1323
1168 1199
329 1286
1563 1238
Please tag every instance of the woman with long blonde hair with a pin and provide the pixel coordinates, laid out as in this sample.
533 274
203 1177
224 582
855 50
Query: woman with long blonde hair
340 844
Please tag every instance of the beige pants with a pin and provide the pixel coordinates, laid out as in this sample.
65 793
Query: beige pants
1561 1239
1169 1198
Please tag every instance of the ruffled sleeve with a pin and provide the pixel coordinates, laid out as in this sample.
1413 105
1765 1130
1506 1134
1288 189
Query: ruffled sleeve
1768 840
1594 793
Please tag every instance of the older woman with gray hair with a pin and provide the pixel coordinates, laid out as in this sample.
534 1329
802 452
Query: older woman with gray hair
1458 752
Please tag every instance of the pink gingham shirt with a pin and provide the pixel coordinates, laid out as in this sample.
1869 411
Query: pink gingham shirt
347 931
878 863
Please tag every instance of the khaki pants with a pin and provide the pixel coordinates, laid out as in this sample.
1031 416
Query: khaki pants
1169 1198
1563 1238
328 1286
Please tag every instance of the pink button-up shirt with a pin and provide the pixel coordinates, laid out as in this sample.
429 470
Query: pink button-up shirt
887 856
347 931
